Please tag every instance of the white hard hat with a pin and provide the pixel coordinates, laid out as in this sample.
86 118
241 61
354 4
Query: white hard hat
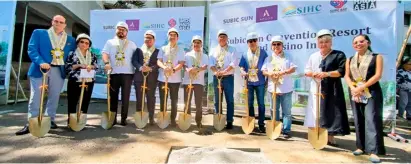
150 32
83 36
197 37
122 24
252 35
221 32
172 30
324 32
276 39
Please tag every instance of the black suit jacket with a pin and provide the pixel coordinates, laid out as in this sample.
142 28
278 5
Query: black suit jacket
137 61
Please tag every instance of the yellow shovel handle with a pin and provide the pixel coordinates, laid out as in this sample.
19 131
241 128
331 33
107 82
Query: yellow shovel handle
83 85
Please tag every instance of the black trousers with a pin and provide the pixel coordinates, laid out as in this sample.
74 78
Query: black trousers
173 93
123 82
368 125
73 96
149 96
198 94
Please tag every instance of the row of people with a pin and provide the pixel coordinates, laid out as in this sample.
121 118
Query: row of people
127 62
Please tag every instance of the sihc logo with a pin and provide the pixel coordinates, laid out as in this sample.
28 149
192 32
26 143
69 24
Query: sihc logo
153 25
184 23
364 4
172 22
267 13
338 5
133 25
302 10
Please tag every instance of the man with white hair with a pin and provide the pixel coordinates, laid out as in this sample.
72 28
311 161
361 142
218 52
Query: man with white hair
278 64
222 61
327 66
171 61
145 61
196 63
250 67
117 54
48 50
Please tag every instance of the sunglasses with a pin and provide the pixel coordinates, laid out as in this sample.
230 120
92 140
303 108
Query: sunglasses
276 44
252 41
84 42
59 22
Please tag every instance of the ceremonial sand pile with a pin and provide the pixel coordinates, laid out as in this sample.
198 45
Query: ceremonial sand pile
209 155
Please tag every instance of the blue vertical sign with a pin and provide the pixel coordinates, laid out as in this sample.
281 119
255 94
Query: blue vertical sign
7 19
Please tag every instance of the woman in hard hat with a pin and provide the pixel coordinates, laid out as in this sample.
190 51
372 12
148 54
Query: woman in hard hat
250 66
81 58
196 63
362 74
328 66
280 65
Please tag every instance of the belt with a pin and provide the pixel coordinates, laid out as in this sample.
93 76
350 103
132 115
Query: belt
55 65
224 76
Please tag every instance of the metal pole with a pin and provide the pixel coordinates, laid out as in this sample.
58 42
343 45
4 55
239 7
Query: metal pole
21 50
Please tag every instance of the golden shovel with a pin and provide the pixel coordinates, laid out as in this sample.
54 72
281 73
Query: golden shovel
184 120
317 136
141 118
77 121
273 128
163 118
40 125
108 117
219 119
247 121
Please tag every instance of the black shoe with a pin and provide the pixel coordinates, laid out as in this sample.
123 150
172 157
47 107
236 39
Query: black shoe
229 125
286 135
173 123
151 122
261 129
23 131
123 123
53 125
332 144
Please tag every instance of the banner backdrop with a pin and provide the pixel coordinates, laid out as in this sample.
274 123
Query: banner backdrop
189 21
7 19
297 23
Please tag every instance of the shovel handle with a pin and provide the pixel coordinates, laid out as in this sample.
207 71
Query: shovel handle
245 91
189 87
165 95
144 92
108 93
219 97
42 93
83 85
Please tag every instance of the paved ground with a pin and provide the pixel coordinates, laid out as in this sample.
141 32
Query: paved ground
130 145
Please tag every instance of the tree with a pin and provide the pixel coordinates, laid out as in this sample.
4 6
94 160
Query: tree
124 4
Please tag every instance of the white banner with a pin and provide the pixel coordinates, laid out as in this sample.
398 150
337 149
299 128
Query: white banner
189 21
298 23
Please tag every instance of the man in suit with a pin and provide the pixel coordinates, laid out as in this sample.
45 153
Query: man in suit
48 49
145 61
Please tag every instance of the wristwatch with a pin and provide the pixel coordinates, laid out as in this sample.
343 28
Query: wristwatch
106 63
328 74
174 70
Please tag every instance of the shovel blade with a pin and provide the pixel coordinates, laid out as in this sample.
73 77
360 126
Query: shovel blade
248 124
163 119
318 137
184 121
273 130
107 120
39 129
77 124
219 122
141 119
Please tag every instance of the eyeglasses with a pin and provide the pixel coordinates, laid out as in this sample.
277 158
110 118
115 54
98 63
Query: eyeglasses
84 42
361 42
251 40
59 22
276 44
